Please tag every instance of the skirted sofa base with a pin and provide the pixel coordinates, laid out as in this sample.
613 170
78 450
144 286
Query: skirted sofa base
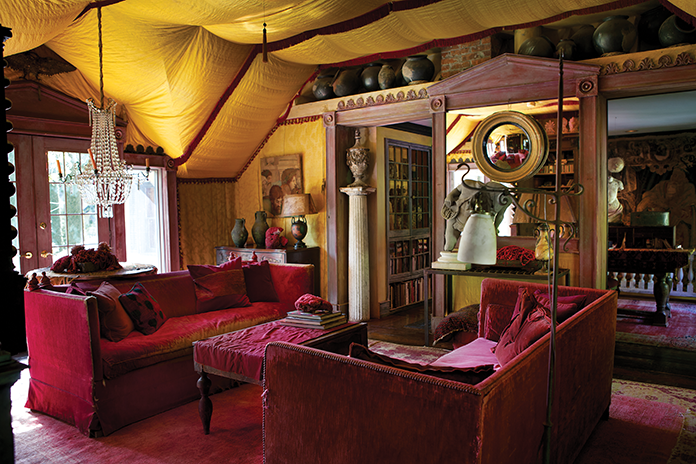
100 385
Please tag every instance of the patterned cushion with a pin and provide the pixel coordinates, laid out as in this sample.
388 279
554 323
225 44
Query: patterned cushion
114 323
221 290
143 309
259 284
466 319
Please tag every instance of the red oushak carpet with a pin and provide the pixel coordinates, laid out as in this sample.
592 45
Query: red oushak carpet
634 325
648 424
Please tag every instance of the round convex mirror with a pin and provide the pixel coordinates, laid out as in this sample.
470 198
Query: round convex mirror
510 146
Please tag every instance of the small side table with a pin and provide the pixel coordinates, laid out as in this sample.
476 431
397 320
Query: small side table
309 255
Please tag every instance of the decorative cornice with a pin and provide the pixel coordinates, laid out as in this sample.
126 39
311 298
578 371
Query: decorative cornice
382 99
648 63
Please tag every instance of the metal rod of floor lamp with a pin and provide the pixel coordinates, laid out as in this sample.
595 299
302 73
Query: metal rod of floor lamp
548 426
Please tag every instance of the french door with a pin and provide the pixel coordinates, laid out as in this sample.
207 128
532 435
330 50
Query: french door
51 216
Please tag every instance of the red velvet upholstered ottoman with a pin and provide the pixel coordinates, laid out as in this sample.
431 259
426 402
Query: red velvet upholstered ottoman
239 355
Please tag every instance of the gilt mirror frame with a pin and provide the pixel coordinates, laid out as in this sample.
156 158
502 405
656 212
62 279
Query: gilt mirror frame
533 157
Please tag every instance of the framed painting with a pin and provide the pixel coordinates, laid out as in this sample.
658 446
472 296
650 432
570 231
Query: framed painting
280 176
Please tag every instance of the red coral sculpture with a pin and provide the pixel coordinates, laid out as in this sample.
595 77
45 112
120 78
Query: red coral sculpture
274 239
309 303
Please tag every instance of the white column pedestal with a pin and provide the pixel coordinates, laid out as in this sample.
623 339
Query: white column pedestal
358 254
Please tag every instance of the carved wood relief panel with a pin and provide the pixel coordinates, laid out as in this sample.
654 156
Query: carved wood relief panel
659 175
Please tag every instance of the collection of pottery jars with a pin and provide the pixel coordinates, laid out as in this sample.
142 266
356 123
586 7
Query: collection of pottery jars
657 28
240 235
373 76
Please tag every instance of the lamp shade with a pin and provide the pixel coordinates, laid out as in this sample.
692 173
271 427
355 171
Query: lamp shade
478 244
299 204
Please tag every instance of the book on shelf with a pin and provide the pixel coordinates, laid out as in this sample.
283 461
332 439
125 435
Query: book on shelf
313 324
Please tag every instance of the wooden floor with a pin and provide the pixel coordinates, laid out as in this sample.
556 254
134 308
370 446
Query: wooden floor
403 328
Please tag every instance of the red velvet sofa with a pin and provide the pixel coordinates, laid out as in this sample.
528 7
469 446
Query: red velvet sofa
320 407
100 385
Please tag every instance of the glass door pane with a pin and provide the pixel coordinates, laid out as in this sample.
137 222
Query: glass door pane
16 260
146 241
73 222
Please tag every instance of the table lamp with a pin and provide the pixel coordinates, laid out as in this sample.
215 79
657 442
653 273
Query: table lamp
297 206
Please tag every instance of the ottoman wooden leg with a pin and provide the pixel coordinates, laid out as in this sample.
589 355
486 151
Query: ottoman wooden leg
205 406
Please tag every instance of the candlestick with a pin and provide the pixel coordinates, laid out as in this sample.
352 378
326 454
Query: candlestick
60 171
147 163
91 156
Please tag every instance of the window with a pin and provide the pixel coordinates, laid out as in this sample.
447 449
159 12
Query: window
147 238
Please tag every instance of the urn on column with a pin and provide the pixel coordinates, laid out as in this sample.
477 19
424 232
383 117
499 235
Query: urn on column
357 159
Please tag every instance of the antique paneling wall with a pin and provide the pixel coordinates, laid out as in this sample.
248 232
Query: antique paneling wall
306 137
659 175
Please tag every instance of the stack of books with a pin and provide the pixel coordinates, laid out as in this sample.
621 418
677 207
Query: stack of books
313 320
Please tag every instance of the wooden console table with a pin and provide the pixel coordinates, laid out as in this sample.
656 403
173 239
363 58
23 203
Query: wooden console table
494 273
659 262
309 255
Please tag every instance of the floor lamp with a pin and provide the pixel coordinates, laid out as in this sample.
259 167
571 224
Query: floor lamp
472 238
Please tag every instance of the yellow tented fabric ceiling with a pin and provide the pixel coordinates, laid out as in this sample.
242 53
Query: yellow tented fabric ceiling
188 74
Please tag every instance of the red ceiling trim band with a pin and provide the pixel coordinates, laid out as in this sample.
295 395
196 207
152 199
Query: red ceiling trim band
280 121
207 180
218 107
481 34
466 139
286 122
454 123
679 12
350 24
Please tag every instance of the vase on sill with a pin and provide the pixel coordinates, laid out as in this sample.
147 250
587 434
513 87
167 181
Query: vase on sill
239 233
258 230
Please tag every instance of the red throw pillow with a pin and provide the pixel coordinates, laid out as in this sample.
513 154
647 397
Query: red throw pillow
525 304
498 317
221 290
259 284
535 326
566 307
199 270
143 309
466 319
114 322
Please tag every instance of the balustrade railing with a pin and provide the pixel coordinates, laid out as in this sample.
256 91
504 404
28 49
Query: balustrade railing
643 284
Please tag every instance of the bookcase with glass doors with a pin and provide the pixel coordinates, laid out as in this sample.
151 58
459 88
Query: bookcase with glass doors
409 219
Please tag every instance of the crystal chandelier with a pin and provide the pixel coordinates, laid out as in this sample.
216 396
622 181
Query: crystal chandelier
110 181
